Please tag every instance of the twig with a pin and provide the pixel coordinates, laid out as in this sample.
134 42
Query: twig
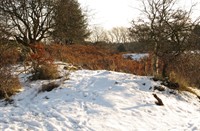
159 101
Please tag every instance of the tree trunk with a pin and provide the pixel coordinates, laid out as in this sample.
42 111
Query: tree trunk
155 65
164 70
155 60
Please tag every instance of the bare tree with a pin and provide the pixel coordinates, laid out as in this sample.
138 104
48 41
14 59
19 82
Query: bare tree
139 32
4 34
124 34
167 28
111 36
99 34
196 37
118 35
139 36
29 21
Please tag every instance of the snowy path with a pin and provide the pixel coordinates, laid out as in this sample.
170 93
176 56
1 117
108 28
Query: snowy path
100 101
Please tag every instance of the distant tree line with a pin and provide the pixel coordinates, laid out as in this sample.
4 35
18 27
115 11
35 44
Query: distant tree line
114 35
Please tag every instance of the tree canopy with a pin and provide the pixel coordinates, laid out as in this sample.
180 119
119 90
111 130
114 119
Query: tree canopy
166 28
30 21
71 22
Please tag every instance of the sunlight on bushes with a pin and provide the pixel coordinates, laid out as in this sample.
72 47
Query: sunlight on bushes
96 58
42 64
8 86
187 69
45 72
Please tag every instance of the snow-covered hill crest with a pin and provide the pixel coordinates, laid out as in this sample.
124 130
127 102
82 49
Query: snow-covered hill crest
100 100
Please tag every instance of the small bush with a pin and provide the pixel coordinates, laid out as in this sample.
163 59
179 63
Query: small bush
186 69
42 64
121 48
45 72
9 55
9 84
9 87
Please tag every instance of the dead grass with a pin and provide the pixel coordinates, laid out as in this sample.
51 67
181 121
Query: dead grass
187 70
45 72
9 87
95 58
9 84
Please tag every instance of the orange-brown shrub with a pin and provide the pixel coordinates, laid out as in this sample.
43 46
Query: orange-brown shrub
42 63
9 84
96 58
8 55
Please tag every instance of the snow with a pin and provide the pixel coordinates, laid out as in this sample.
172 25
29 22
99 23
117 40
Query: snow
99 101
135 56
193 52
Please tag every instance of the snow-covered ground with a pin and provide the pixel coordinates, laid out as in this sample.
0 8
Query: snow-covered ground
99 101
136 56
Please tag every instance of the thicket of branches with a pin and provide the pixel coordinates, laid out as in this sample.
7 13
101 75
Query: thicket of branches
30 21
167 30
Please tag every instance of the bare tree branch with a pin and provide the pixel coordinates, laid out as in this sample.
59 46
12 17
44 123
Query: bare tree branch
30 20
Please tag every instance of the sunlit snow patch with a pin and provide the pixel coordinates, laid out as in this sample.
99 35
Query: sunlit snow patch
135 56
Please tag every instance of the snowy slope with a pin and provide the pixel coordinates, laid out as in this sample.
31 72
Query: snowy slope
99 101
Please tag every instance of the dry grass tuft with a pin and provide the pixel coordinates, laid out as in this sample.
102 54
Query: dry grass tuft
45 72
9 84
9 87
187 69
